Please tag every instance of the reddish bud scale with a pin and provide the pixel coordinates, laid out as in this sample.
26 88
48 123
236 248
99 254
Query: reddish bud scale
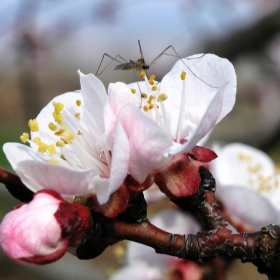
202 154
75 220
180 178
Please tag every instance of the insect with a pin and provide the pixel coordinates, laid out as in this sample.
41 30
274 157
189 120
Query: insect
141 65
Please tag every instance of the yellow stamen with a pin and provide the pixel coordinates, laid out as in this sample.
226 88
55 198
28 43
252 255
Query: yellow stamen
151 106
133 90
152 78
79 102
58 107
154 88
162 97
146 108
144 95
37 140
69 137
142 74
78 115
60 144
151 97
42 147
59 132
24 137
52 126
79 133
52 160
151 82
183 75
52 149
33 125
57 117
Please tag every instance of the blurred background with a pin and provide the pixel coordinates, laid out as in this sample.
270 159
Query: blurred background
44 42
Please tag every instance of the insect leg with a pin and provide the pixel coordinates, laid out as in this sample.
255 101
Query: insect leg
113 59
177 55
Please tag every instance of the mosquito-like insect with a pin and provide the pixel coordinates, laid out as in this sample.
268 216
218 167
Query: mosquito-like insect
141 65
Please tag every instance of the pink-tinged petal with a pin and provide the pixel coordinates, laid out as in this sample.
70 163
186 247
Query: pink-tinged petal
94 97
248 206
148 143
31 233
110 123
39 175
119 167
206 123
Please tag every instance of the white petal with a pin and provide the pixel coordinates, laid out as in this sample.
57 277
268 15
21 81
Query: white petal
94 96
207 122
211 72
39 175
119 167
16 153
249 206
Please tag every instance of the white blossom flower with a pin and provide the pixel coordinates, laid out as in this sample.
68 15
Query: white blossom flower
248 185
67 150
86 142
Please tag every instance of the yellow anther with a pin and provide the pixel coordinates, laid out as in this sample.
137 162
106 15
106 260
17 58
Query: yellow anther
24 137
59 132
151 97
79 133
69 137
33 125
78 115
79 102
60 144
277 167
52 149
151 82
146 108
144 95
42 147
62 156
58 107
142 74
162 97
154 88
119 251
52 160
152 78
57 117
37 140
151 106
52 126
133 90
183 75
149 101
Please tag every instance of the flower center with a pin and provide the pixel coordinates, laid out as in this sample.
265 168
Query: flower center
70 140
257 179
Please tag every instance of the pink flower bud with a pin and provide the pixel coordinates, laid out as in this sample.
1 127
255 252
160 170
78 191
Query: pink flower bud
41 231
